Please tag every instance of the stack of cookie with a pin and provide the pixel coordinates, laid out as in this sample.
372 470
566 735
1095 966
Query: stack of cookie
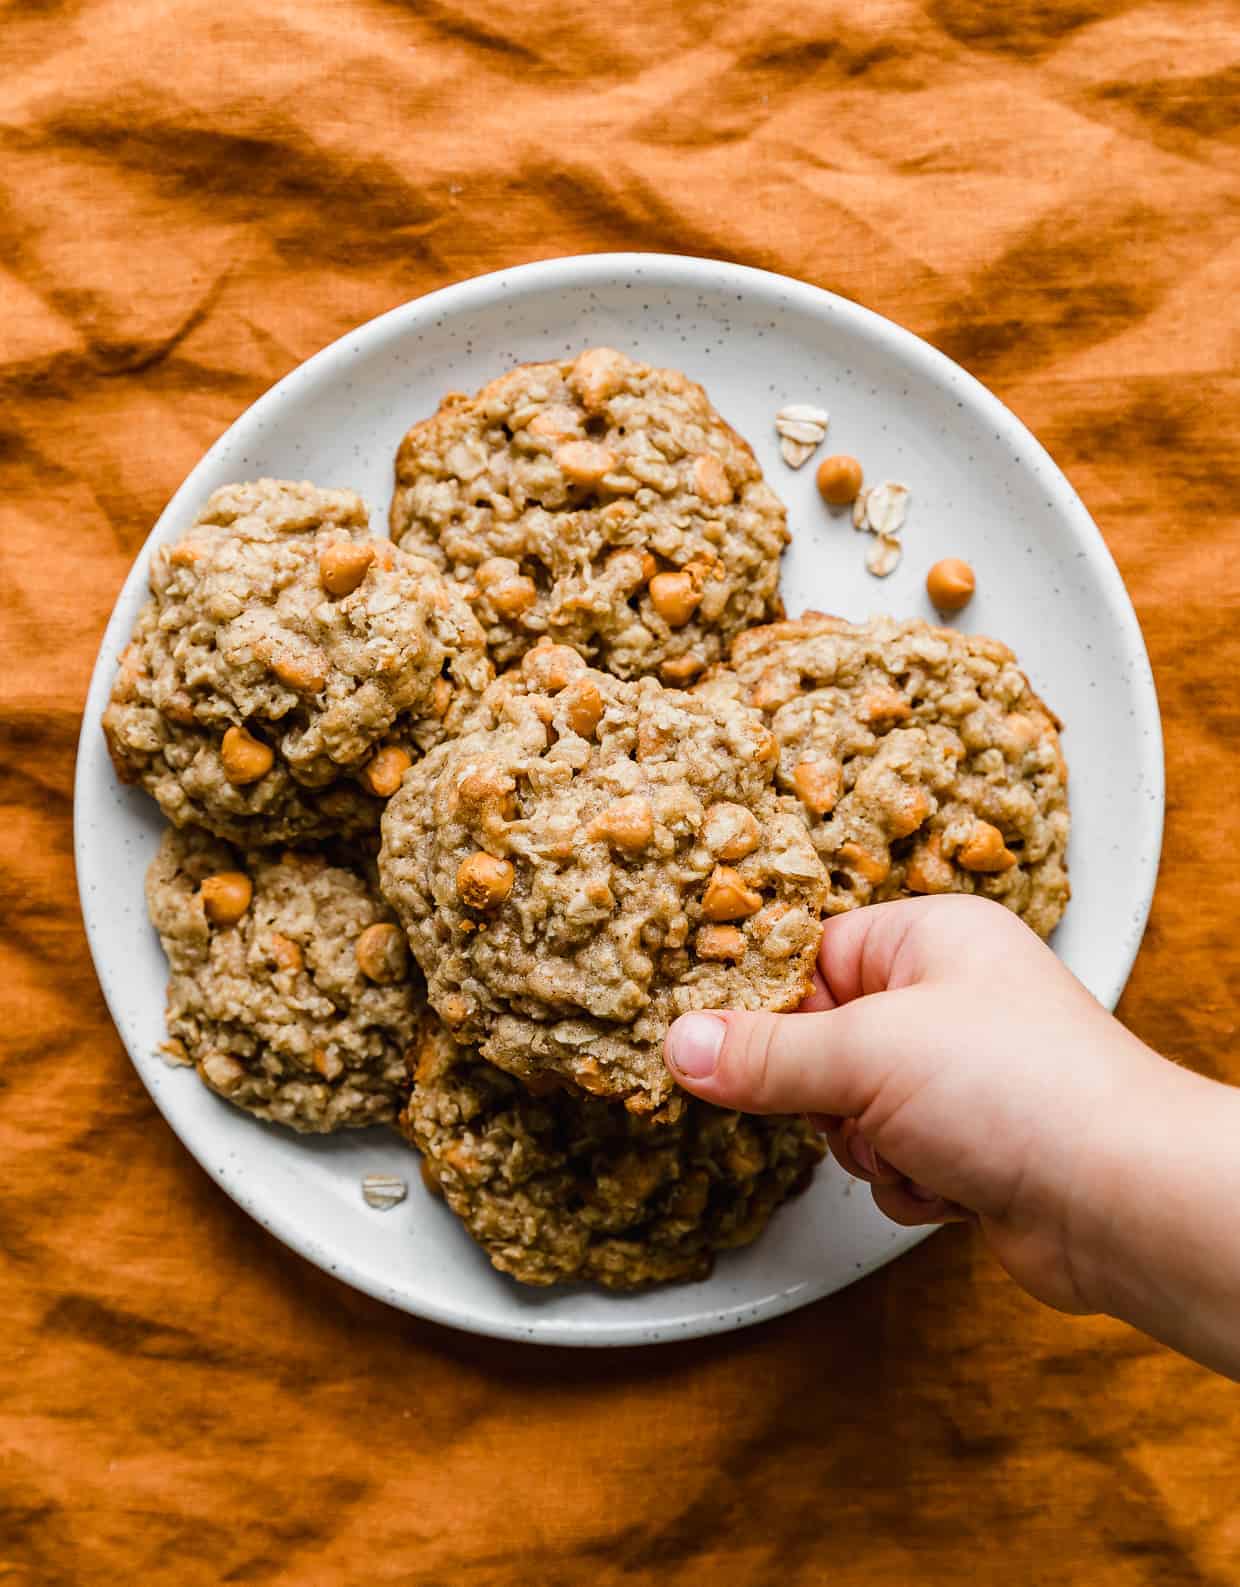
400 888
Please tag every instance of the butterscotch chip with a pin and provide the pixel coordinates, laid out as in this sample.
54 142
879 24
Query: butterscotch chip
482 881
285 953
283 1013
818 784
384 773
243 757
566 1187
381 953
924 761
950 584
719 942
873 867
585 707
600 481
343 566
727 897
681 670
675 597
730 831
984 850
927 871
612 848
260 694
225 897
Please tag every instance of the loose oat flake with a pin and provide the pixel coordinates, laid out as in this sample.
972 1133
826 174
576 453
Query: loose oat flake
886 507
801 429
795 453
384 1191
884 555
804 413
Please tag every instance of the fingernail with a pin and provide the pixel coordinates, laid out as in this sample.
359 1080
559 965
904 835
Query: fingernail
920 1192
693 1045
863 1154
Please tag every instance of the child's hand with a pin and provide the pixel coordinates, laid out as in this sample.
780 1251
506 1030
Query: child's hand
957 1066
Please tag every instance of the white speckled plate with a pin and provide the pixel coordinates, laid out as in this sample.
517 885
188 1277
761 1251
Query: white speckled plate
982 489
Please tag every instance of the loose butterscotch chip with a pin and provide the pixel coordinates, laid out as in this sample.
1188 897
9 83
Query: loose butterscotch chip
950 584
839 479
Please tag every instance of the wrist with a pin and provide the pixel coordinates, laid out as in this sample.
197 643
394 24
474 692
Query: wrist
1155 1243
1112 1185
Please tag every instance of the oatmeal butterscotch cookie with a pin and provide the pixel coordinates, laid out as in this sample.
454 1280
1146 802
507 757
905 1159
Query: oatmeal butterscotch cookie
287 667
602 503
560 1186
290 987
593 858
923 760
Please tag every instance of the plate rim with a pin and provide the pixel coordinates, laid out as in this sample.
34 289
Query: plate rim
583 270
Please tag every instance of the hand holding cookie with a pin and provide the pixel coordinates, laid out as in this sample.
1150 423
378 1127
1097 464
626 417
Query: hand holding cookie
955 1065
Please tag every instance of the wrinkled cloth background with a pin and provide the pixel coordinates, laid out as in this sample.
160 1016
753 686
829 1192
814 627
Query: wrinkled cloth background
196 196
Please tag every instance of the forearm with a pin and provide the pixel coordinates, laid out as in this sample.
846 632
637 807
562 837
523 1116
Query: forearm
1164 1240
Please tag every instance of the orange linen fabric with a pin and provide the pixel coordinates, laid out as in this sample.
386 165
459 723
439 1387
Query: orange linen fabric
196 195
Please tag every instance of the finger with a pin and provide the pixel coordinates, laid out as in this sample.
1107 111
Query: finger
839 1150
913 940
832 1062
903 1205
857 1157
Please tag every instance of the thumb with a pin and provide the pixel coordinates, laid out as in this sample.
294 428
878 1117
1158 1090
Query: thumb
833 1062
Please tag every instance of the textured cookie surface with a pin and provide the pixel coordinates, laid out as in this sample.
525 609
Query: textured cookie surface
281 648
303 1010
593 858
922 758
563 1187
601 502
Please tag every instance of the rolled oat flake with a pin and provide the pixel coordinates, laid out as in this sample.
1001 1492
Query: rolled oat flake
384 1191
